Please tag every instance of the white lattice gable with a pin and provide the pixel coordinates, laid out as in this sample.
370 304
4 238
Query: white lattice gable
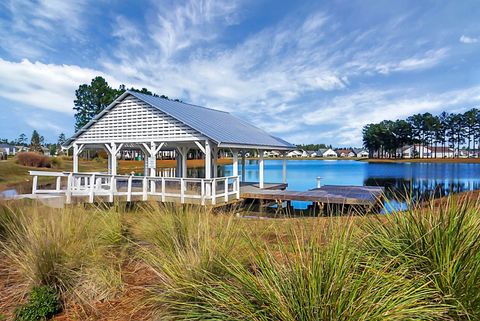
133 120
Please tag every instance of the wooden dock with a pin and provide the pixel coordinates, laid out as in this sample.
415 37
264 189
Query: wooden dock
328 194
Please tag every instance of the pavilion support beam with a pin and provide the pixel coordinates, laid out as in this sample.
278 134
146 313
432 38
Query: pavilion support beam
208 166
152 151
235 162
243 166
260 169
77 150
215 162
146 156
113 150
178 168
75 158
284 168
183 151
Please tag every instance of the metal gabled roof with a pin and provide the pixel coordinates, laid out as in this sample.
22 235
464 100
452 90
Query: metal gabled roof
222 127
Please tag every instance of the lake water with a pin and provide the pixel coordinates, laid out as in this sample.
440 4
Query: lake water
419 180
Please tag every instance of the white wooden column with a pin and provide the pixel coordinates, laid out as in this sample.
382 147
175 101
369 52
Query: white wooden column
243 166
183 151
77 149
153 150
75 158
260 169
284 168
208 167
215 162
113 149
235 162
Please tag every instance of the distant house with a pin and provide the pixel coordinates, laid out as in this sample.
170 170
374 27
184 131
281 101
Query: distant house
21 148
361 153
421 151
473 153
326 153
295 153
311 153
272 153
345 153
442 152
8 149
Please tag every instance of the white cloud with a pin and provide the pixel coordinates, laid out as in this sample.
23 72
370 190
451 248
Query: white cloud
196 21
468 40
342 118
45 86
28 28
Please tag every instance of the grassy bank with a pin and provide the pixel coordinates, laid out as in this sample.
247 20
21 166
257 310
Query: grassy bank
174 263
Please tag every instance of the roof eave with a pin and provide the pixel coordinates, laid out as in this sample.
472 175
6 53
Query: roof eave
256 146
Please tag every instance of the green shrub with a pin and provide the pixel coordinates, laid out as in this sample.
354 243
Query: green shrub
42 304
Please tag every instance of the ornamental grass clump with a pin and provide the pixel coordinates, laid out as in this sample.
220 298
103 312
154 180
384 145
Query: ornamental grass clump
182 243
440 241
301 279
72 250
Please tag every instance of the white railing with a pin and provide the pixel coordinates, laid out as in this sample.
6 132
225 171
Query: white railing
165 189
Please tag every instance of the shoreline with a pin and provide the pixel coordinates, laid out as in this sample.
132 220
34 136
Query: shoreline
423 160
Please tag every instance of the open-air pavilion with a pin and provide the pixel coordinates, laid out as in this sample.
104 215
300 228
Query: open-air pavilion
150 124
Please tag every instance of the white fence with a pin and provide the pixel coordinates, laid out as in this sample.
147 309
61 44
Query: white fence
165 189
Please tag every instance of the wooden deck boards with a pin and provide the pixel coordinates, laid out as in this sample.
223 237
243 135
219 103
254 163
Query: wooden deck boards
329 194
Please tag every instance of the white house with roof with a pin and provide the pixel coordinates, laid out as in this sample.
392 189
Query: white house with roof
422 151
8 149
327 153
361 153
295 153
151 124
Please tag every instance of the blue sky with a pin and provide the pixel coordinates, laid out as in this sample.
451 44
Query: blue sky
307 71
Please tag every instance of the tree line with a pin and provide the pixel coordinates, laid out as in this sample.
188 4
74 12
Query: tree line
36 143
446 130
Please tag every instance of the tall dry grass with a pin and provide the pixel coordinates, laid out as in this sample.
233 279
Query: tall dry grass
74 250
298 279
422 264
440 241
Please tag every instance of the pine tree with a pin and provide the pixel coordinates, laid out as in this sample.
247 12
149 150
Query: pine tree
35 143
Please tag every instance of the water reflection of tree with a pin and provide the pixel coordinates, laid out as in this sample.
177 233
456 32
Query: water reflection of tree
420 189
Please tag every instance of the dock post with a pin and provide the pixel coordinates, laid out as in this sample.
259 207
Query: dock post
112 188
34 184
243 166
261 170
202 192
226 190
58 183
208 165
235 162
129 188
318 182
92 188
145 188
68 193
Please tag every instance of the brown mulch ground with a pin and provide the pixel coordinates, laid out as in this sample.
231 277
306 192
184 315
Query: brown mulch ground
126 306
